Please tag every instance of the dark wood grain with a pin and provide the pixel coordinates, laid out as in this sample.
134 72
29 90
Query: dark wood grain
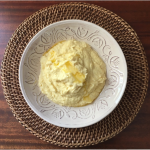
136 135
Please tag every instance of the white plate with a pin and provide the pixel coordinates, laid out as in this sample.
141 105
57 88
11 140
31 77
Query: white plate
107 48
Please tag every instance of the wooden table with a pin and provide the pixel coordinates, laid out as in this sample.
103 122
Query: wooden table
14 135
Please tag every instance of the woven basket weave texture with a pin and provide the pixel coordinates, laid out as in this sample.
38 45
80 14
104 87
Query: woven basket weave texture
134 94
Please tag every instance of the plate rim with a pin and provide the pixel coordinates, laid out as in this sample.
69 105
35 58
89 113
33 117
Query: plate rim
21 74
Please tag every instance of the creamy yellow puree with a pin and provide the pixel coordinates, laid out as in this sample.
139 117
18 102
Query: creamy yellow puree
72 74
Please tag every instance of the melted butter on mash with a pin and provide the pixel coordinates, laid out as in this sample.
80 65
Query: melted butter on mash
72 74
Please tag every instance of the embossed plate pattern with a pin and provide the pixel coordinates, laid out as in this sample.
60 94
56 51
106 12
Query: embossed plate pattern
107 48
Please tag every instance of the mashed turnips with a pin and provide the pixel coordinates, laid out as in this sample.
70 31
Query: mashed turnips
72 74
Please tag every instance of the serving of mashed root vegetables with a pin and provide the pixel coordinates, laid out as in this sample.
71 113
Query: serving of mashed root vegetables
72 74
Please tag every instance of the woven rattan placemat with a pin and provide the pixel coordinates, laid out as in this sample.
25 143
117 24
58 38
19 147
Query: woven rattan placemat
134 94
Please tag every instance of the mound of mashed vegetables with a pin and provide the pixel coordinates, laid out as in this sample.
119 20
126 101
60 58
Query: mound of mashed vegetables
72 74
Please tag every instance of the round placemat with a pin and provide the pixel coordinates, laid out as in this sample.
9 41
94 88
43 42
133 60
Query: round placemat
130 103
